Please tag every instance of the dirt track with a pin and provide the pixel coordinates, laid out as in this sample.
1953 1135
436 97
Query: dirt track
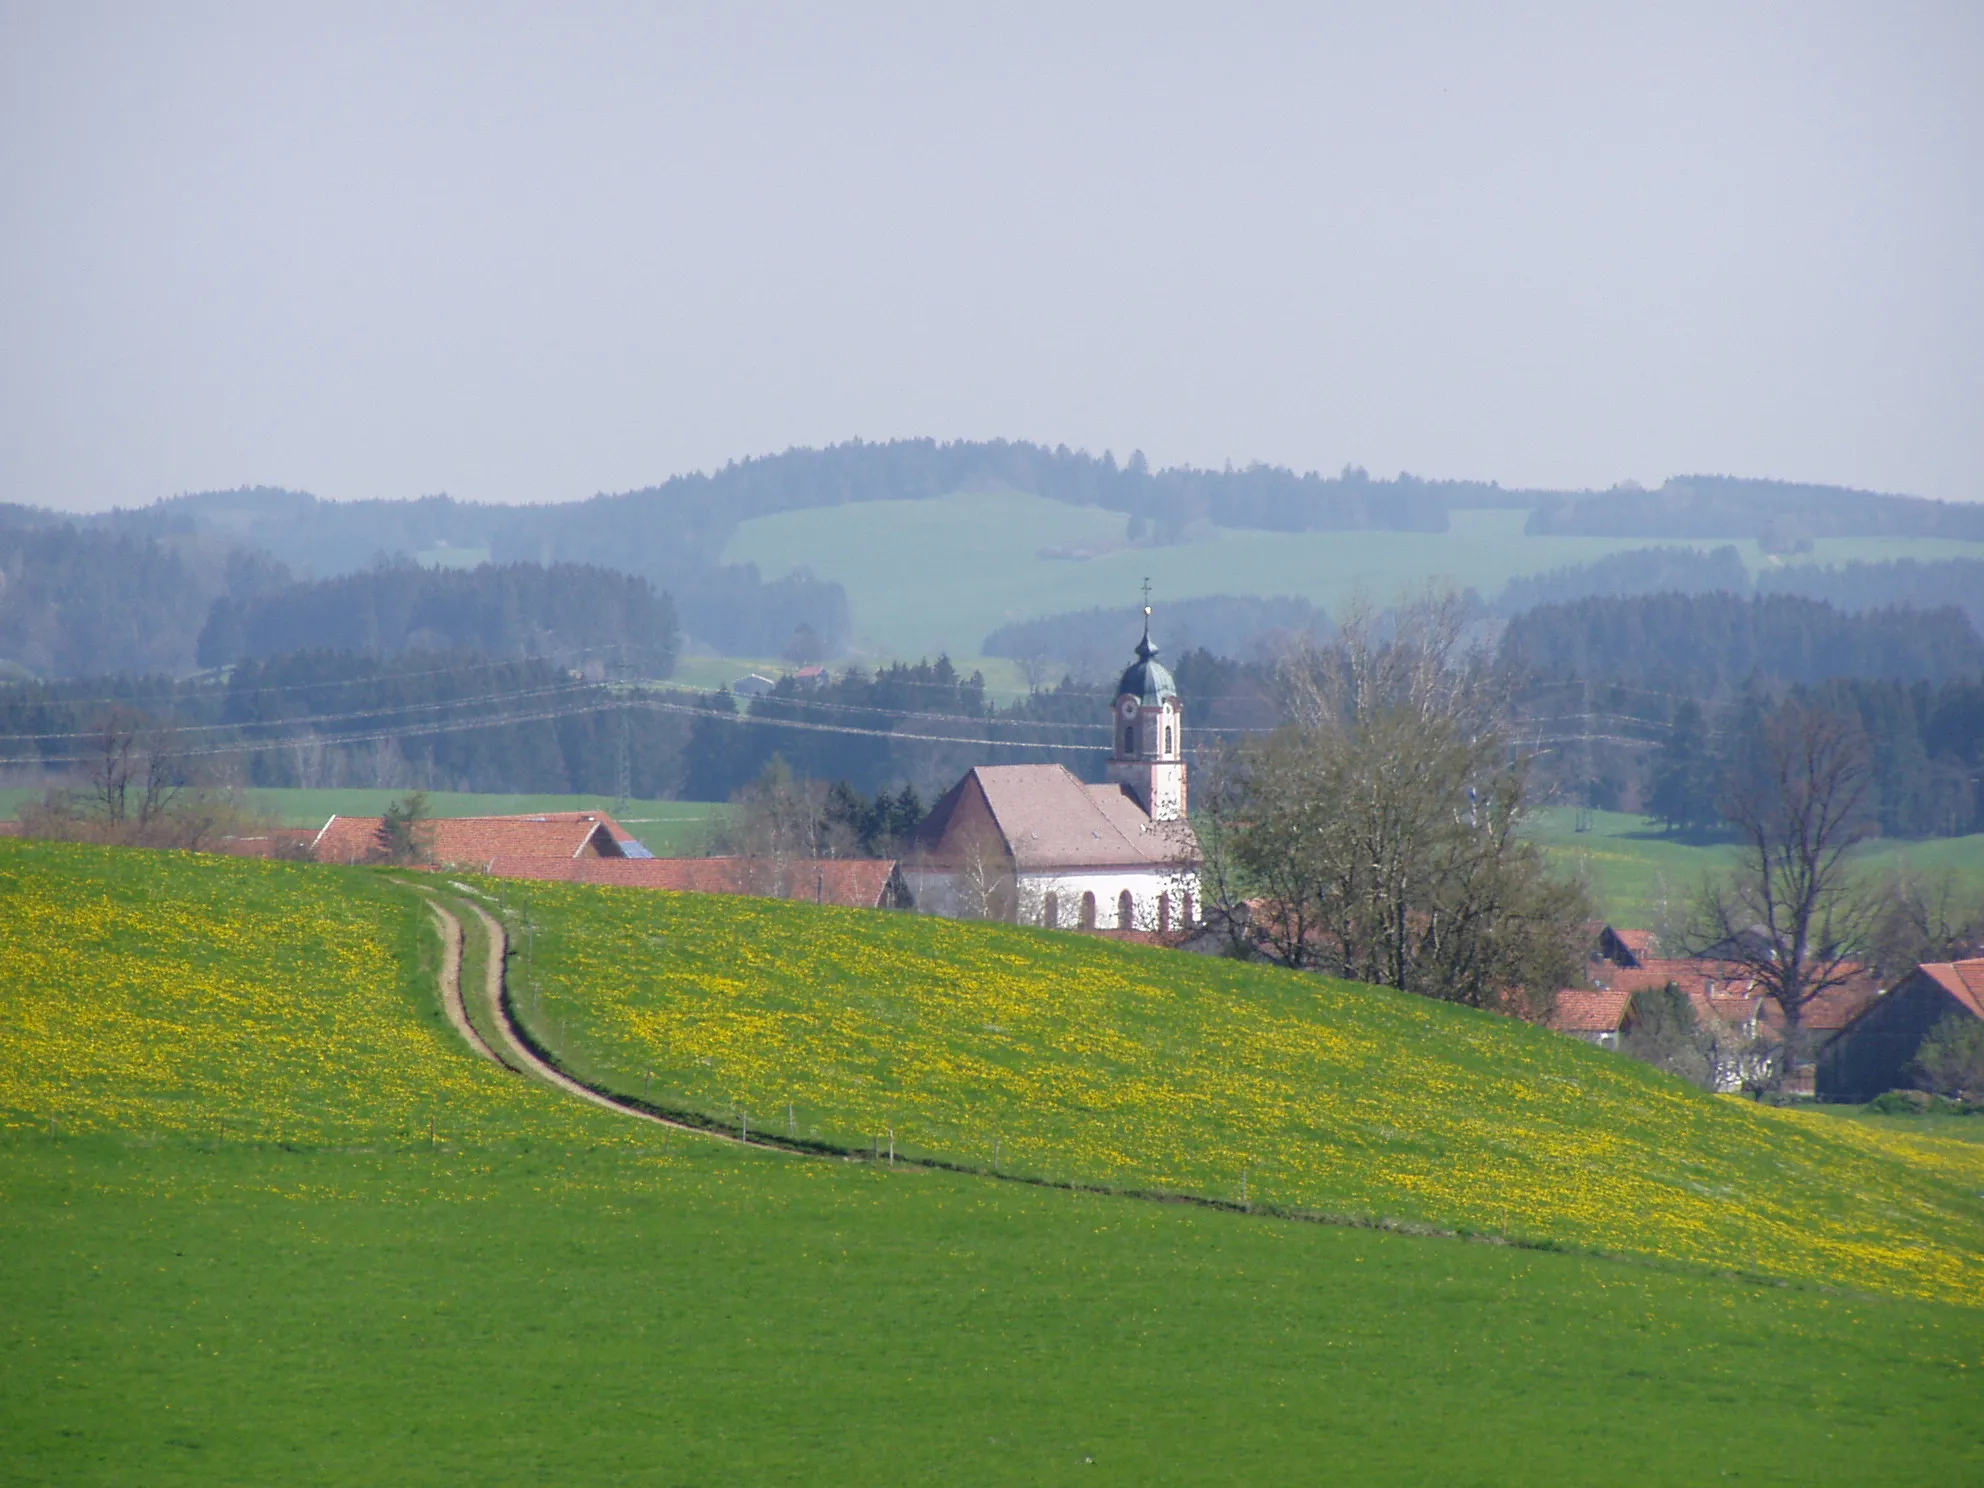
516 1051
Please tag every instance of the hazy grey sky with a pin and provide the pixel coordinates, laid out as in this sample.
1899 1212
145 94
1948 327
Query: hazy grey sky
529 253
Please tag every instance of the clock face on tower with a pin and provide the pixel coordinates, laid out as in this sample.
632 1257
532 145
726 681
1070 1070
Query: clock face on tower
1129 708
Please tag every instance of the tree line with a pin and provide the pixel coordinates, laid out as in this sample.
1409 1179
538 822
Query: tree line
1852 588
1785 515
1708 645
612 622
460 721
80 602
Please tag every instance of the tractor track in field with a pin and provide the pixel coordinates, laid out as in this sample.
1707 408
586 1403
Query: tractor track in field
519 1051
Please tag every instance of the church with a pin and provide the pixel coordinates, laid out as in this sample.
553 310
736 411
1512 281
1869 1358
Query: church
1033 844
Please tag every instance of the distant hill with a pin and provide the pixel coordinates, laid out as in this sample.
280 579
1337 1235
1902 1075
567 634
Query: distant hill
1704 643
1779 513
674 534
91 602
1097 642
571 613
1908 583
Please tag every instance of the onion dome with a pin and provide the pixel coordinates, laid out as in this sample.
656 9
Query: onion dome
1146 680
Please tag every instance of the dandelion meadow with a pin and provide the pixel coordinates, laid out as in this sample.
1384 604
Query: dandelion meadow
549 1293
1076 1059
178 993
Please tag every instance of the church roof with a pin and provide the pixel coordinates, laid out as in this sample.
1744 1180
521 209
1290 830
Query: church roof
1146 679
1049 820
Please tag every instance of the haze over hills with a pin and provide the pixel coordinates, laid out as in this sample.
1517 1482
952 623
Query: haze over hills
692 536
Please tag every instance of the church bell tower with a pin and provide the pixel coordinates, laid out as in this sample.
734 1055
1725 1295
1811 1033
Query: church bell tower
1148 758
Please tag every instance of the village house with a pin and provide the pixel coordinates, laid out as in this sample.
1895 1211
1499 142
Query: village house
1035 845
1723 994
475 841
1872 1052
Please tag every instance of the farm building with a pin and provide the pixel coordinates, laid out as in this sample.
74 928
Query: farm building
1873 1051
1033 844
473 841
859 883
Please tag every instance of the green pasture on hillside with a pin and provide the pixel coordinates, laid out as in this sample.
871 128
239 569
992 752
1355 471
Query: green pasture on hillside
1074 1059
550 1293
940 575
1643 878
666 828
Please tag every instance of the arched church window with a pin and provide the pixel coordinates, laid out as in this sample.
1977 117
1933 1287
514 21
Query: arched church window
1088 911
1126 911
1188 909
1129 740
1163 914
1050 911
1167 738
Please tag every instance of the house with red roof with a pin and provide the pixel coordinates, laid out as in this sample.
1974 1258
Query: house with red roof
1727 1002
475 841
1593 1014
1873 1050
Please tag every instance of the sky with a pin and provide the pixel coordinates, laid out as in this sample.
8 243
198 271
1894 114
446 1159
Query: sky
528 253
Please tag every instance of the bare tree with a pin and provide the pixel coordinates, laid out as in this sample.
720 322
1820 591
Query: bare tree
1793 914
1219 809
116 759
984 879
1380 829
141 789
780 820
1924 917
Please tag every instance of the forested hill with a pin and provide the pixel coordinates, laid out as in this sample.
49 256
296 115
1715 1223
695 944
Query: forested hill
568 612
75 603
1911 583
1707 643
96 603
1777 512
1096 642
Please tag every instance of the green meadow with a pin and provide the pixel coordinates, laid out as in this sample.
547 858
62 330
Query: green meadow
1061 1057
940 575
667 828
1644 879
266 1221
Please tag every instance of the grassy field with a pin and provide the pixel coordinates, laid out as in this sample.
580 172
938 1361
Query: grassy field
1643 879
666 827
1077 1060
912 596
545 1292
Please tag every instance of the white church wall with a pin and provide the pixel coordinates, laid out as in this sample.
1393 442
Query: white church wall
950 896
1145 886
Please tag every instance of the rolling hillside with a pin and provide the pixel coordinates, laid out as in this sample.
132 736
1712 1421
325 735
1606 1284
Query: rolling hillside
1075 1060
911 595
238 1252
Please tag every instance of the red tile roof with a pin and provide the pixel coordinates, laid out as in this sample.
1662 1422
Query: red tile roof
860 883
1726 991
1582 1011
474 840
1963 980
